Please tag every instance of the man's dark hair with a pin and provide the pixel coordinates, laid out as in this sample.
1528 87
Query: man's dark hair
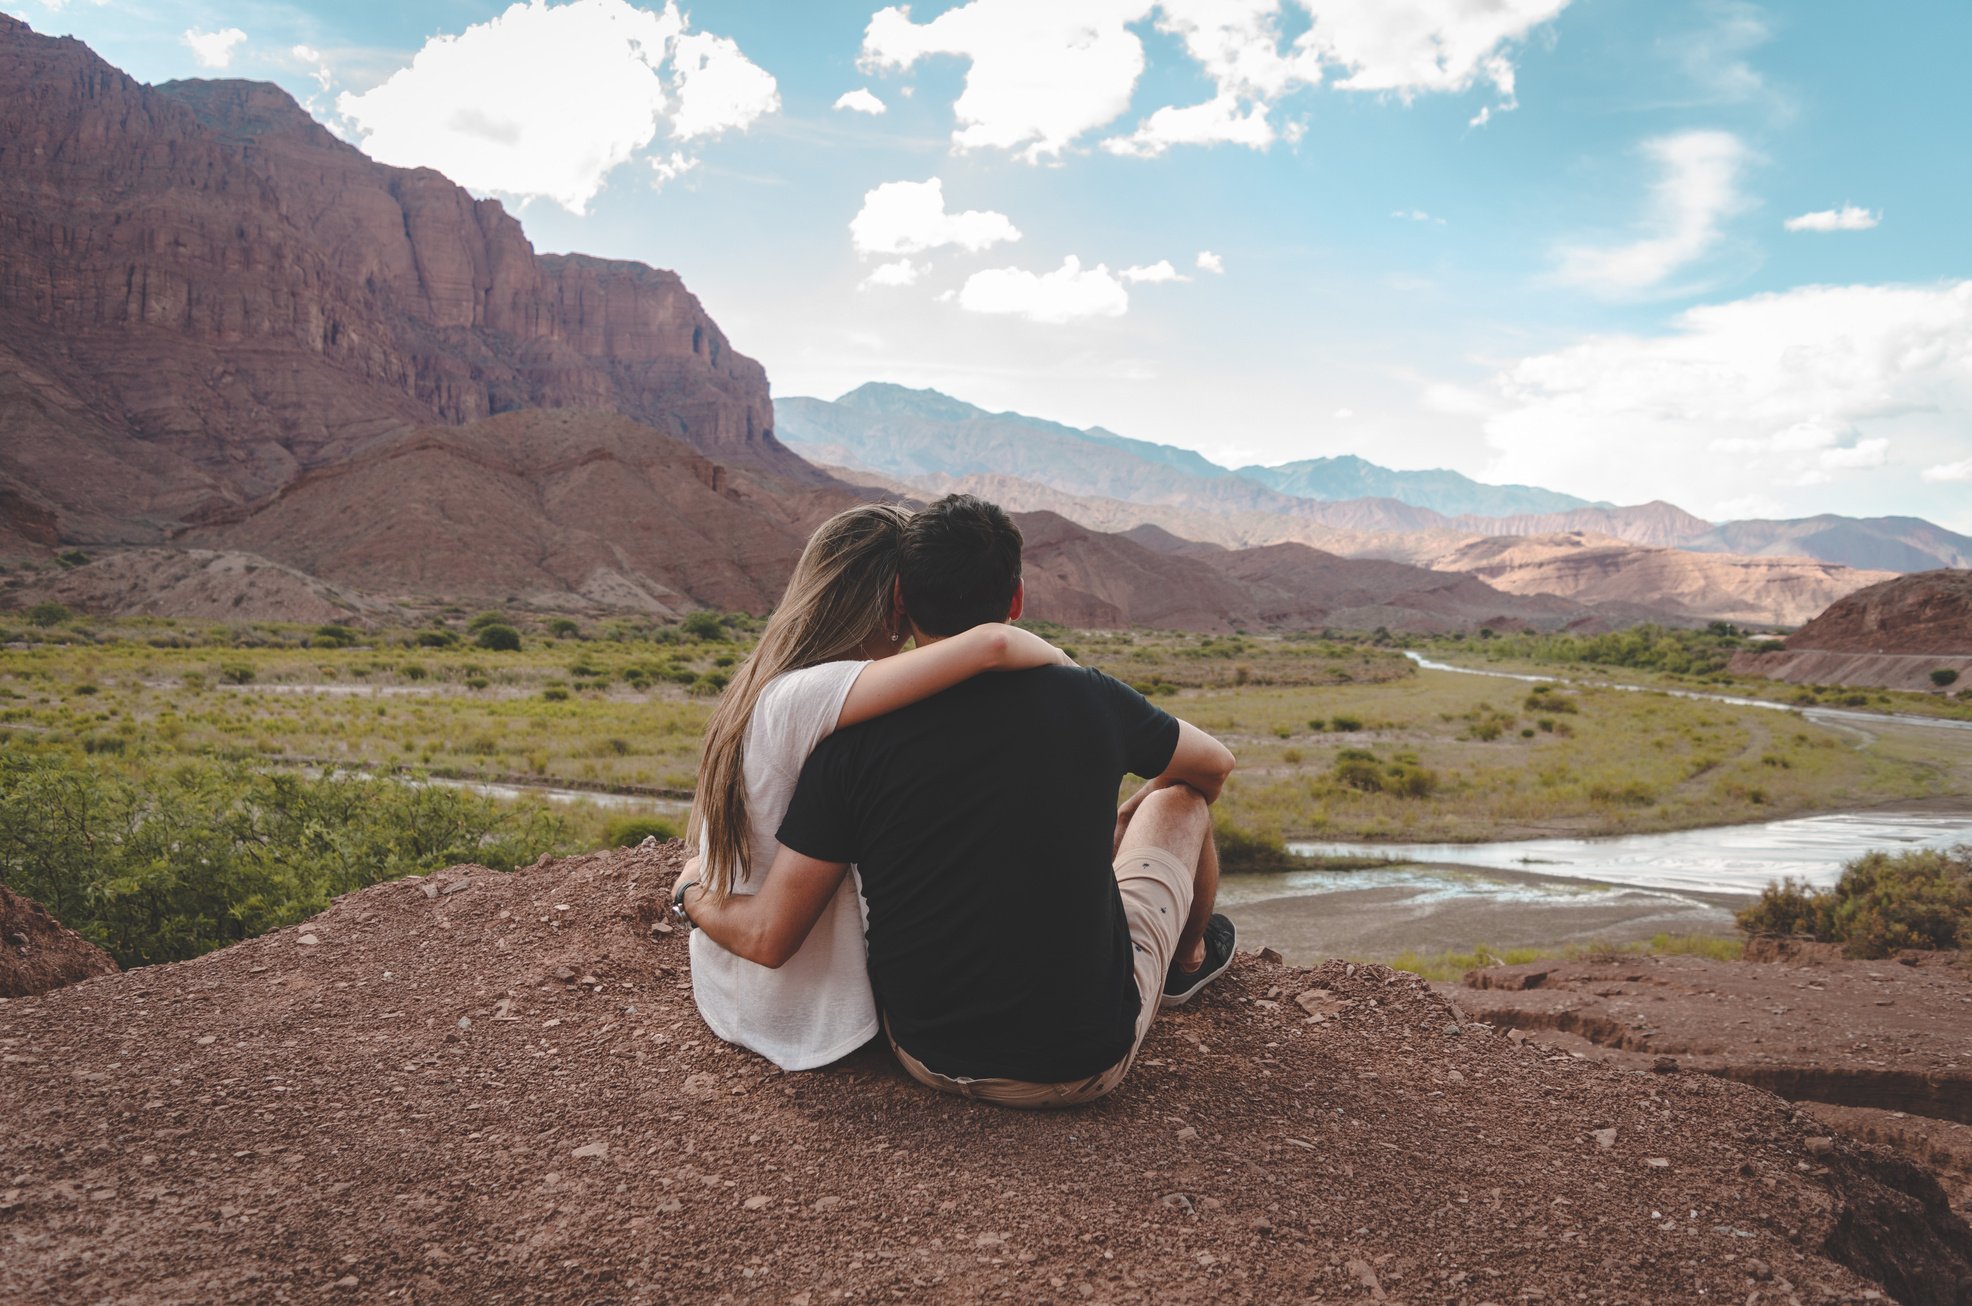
960 565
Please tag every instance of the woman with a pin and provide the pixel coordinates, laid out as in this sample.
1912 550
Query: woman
829 657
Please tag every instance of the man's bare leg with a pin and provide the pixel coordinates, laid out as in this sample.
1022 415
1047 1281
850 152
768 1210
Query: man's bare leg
1177 820
1204 897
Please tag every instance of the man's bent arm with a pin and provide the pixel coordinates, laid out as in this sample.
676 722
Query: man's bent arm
770 926
1199 761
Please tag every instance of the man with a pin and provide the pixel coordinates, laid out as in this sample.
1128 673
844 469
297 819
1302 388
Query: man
1022 934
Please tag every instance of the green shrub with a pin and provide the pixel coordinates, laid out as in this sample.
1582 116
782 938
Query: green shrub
415 671
1944 676
73 558
563 628
199 855
236 673
555 694
436 639
45 615
1243 852
1346 725
1883 902
485 619
476 682
1356 769
498 638
703 626
334 636
629 831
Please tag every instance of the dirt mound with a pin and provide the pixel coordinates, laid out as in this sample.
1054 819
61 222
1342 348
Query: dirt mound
196 584
481 1086
39 953
1930 612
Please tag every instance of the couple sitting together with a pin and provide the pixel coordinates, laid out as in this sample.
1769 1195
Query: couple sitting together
1016 931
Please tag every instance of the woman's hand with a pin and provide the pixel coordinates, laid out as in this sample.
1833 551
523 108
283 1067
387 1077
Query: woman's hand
690 872
1025 649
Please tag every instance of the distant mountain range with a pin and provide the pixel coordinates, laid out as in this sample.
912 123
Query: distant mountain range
925 439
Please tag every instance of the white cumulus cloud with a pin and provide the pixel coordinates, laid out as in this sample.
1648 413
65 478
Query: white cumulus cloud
861 100
1207 261
1697 189
1041 76
906 217
901 272
1153 273
1071 291
547 100
1793 388
1958 471
214 49
1846 218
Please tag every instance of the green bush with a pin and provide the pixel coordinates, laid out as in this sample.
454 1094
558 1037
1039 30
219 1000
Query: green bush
1243 852
563 628
236 673
199 855
1346 725
629 831
45 615
500 639
73 558
1883 902
485 619
1944 676
436 639
704 626
334 636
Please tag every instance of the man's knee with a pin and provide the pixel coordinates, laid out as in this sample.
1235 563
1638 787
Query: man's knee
1176 819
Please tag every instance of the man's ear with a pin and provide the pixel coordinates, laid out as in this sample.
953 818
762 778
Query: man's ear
1019 600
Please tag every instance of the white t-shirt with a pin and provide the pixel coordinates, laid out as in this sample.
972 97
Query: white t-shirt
818 1007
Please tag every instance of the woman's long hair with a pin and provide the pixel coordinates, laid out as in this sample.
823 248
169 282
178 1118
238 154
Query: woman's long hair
839 595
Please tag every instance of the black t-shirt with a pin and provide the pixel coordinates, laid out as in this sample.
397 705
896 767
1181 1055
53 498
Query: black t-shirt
981 821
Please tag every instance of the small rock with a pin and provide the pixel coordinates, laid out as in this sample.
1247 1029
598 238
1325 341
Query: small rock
1268 954
1604 1139
564 974
1318 1002
598 1150
1660 1162
457 886
1454 1077
1452 1030
429 889
757 1203
990 1240
1820 1145
308 940
659 927
827 1203
1665 1065
1758 1270
465 1022
347 1281
1186 1134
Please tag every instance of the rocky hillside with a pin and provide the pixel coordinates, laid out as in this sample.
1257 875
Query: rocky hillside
205 297
1882 543
1350 477
486 1086
1592 569
1930 612
39 953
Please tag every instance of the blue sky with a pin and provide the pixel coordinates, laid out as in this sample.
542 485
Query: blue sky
1699 250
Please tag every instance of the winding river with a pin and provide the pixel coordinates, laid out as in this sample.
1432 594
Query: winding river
1730 859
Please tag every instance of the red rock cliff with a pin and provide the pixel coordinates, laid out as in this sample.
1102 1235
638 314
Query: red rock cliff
203 289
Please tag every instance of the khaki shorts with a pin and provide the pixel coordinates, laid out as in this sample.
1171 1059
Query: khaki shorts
1156 889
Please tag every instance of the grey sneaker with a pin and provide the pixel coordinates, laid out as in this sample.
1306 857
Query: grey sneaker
1181 986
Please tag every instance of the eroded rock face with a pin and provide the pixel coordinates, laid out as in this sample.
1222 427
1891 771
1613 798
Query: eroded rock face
204 294
1930 612
39 953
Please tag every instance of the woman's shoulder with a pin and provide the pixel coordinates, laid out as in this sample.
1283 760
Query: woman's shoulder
822 679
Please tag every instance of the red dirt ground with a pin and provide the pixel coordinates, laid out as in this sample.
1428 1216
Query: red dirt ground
39 953
480 1086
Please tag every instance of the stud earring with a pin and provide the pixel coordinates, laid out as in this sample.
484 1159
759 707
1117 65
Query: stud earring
897 639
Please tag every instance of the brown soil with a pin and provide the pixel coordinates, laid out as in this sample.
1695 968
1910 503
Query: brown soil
39 953
1881 1050
482 1086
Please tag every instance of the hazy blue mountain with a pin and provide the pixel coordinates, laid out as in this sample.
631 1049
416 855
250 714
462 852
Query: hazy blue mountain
1350 477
